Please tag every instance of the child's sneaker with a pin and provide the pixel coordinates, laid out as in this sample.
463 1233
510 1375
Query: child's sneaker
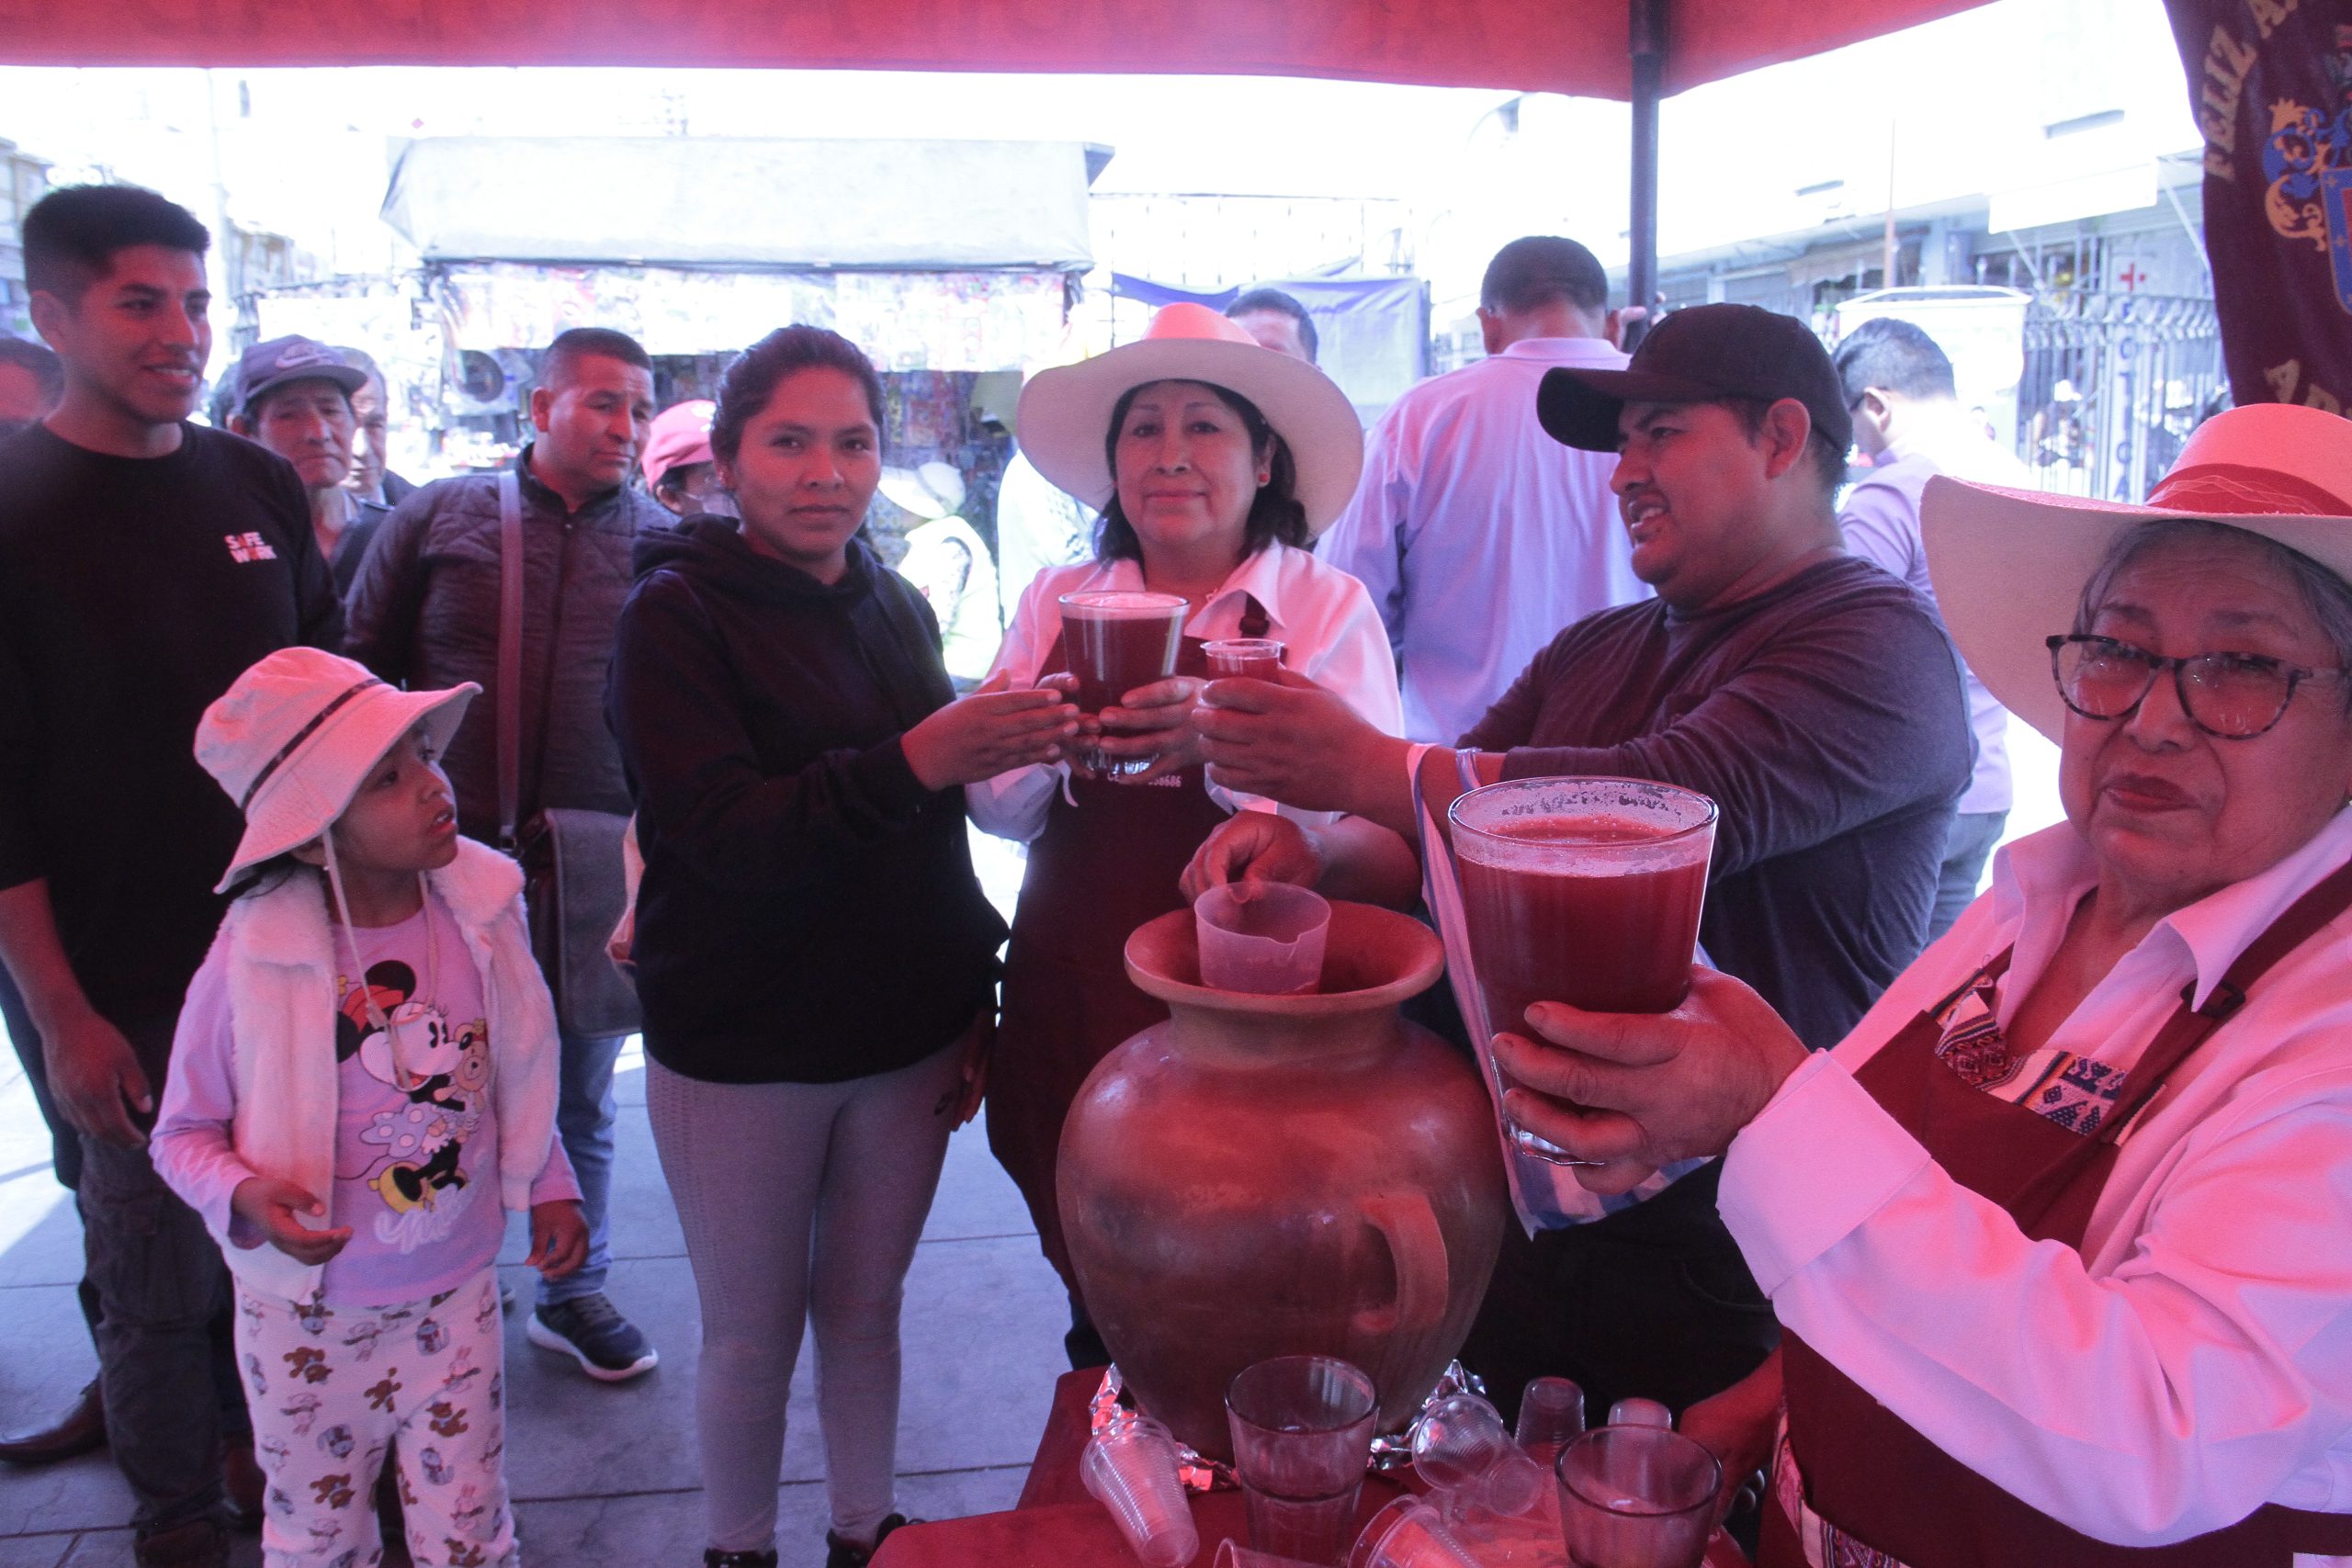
592 1331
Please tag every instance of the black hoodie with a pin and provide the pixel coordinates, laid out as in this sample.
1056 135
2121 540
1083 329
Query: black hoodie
809 912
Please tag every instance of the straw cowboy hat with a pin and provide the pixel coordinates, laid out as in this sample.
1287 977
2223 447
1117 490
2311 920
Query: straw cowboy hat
2009 565
295 736
1065 413
930 491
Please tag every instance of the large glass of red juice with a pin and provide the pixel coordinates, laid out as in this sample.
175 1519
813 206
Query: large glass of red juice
1581 890
1117 640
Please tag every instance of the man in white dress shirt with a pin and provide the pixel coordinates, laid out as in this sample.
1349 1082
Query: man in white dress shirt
1480 536
1909 424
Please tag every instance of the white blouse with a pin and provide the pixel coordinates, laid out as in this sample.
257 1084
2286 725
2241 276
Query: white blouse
1333 636
2194 1361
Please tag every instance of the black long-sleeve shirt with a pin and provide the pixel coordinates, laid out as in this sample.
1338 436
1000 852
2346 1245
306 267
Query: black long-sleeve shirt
133 591
809 912
1825 717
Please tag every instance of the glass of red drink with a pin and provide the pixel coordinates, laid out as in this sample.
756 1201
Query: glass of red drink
1256 658
1585 891
1118 640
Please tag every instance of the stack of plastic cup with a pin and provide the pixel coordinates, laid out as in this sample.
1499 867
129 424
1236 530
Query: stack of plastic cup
1551 1417
1460 1448
1130 1468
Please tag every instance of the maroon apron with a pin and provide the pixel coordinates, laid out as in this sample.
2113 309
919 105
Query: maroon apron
1098 871
1872 1476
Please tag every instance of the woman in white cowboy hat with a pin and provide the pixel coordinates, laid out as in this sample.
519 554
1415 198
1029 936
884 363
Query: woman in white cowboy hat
2059 1234
363 1083
1214 462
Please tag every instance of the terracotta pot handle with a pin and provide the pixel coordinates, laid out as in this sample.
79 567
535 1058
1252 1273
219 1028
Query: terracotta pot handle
1417 1248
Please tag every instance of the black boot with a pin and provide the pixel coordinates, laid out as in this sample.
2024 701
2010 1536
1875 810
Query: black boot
840 1553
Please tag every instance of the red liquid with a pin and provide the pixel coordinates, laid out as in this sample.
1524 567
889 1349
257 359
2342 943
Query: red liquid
1605 944
1254 667
1112 658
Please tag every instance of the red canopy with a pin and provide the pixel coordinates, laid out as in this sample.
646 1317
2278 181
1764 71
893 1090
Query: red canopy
1561 46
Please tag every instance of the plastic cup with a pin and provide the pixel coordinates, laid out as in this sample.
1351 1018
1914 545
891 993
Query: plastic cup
1460 1446
1409 1533
1581 890
1636 1497
1261 936
1640 1413
1302 1436
1255 656
1117 641
1551 1417
1131 1470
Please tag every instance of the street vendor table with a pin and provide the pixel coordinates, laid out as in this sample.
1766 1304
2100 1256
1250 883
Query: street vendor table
1057 1525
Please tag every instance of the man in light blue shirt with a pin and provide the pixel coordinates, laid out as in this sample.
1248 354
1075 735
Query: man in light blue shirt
1909 424
1479 535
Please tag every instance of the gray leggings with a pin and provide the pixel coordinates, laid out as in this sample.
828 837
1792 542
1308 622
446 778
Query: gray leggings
800 1202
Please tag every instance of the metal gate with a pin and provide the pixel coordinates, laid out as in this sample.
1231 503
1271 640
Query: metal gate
2113 384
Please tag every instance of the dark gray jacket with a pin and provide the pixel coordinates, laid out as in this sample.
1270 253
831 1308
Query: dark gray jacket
424 614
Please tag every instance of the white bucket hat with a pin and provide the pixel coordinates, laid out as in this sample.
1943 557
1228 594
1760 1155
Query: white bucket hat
1065 413
294 737
2009 565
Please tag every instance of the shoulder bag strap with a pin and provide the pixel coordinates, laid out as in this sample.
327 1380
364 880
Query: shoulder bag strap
510 654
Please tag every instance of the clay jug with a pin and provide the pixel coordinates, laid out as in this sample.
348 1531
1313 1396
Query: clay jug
1270 1176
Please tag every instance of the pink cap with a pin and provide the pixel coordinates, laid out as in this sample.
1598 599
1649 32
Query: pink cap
681 436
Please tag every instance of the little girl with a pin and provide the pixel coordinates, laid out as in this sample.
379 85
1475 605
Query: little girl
363 1082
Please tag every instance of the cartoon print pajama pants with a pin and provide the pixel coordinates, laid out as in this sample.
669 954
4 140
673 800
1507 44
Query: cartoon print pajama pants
333 1387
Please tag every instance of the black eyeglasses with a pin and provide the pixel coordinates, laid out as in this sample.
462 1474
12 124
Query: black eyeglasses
2233 696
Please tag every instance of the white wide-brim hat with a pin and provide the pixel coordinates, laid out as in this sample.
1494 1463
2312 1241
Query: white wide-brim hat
1065 413
295 736
2008 566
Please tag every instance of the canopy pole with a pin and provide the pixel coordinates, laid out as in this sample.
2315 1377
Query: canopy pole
1647 20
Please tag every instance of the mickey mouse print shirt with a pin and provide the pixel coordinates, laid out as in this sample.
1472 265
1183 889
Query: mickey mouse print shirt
416 1147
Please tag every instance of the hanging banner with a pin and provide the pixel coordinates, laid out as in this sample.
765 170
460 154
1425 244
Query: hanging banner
2271 82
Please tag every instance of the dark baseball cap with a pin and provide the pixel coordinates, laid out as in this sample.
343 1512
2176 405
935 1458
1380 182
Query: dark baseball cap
1703 354
282 361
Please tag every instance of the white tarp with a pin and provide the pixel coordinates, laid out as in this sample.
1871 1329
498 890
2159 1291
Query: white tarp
751 202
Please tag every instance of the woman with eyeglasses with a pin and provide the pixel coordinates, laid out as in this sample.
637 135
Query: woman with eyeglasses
2060 1235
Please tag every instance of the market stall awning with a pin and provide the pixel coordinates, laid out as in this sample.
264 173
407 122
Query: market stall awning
746 202
1562 46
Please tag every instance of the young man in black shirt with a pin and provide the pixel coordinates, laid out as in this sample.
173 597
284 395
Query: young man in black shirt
144 562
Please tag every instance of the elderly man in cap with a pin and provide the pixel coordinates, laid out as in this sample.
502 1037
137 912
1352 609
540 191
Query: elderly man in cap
294 396
1813 697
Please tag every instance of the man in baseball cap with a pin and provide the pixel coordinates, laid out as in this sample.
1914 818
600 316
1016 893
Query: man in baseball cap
293 395
1813 697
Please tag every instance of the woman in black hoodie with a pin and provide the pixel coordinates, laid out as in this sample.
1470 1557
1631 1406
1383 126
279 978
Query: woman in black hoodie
814 954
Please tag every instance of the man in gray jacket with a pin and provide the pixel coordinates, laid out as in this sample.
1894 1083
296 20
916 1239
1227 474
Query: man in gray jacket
425 614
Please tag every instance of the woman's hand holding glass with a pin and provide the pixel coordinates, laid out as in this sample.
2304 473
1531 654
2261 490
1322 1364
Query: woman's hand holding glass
1154 723
1632 1092
991 731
